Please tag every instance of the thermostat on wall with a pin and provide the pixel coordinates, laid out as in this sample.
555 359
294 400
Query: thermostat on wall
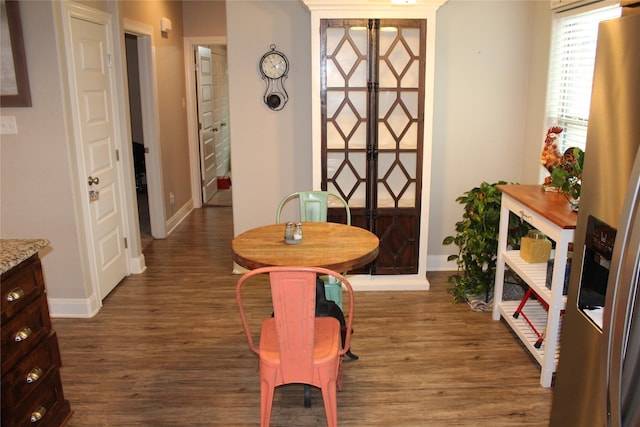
165 25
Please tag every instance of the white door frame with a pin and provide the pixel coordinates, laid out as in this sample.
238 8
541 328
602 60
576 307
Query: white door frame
192 114
150 124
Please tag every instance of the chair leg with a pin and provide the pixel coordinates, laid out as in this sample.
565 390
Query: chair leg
266 401
307 396
330 403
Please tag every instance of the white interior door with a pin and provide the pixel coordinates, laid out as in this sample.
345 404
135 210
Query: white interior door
96 130
221 110
207 125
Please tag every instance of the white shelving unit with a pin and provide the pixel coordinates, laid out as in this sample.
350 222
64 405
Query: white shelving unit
551 214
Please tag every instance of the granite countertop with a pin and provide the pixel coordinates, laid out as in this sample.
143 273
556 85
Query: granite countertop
14 251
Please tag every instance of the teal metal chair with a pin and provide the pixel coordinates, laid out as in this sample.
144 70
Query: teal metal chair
313 205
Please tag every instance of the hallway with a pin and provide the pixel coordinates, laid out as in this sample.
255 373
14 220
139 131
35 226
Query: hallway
222 198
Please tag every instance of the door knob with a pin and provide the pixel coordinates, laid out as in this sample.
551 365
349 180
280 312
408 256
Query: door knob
95 180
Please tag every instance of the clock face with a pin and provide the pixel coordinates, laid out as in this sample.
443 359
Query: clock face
274 65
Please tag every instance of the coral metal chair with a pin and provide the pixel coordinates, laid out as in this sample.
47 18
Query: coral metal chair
295 345
313 205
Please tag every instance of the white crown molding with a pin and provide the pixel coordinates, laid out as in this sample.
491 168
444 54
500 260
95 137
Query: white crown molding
374 6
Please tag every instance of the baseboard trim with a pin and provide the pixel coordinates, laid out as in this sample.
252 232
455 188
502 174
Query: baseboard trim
440 263
402 282
137 264
73 308
179 216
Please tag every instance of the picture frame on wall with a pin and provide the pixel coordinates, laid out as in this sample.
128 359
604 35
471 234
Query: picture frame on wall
14 79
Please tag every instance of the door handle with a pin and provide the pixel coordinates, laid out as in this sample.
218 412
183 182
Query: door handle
95 180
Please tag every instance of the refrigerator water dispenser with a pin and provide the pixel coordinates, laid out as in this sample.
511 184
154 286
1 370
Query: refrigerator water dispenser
599 241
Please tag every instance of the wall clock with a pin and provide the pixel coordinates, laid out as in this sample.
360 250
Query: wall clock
274 68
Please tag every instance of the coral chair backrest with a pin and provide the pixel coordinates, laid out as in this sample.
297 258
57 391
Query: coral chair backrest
293 294
294 298
313 205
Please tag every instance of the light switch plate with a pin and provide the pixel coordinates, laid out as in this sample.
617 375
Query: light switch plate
8 125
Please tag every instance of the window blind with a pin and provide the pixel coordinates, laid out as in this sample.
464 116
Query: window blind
572 58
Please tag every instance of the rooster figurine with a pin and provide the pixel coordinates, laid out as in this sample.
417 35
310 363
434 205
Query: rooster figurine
551 157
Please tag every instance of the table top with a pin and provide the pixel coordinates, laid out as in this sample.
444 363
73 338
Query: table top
338 247
551 205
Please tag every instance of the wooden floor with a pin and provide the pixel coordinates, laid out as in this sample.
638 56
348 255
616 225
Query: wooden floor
167 349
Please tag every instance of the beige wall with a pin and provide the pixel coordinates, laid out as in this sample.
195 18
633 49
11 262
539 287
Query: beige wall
171 95
489 104
270 150
204 18
535 130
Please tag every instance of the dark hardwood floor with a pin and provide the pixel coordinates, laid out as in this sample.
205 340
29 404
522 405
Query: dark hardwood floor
167 349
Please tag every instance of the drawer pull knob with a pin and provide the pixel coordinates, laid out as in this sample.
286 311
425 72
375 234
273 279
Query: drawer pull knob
23 334
15 294
34 375
38 414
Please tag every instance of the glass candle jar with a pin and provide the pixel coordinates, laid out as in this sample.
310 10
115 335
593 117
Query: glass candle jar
535 247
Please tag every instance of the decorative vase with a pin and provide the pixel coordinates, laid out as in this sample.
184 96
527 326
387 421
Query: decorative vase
575 203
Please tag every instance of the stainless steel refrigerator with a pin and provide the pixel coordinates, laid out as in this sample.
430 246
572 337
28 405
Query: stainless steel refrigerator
598 378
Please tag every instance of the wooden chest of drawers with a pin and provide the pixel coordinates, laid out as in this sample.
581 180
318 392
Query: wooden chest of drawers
31 386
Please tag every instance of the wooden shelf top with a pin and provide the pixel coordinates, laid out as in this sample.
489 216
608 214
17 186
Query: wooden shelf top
551 205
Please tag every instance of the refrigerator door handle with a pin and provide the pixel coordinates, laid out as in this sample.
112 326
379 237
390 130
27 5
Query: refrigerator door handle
621 339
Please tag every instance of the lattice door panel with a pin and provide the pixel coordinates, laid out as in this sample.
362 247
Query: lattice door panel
400 113
345 89
373 127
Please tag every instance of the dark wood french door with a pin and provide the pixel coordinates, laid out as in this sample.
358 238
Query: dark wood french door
372 83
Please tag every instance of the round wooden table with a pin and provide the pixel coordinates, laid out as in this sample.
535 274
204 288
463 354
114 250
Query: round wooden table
338 247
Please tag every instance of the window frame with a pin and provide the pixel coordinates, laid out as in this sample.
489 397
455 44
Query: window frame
569 87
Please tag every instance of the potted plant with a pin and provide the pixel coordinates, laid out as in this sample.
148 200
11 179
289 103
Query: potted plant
567 178
477 241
